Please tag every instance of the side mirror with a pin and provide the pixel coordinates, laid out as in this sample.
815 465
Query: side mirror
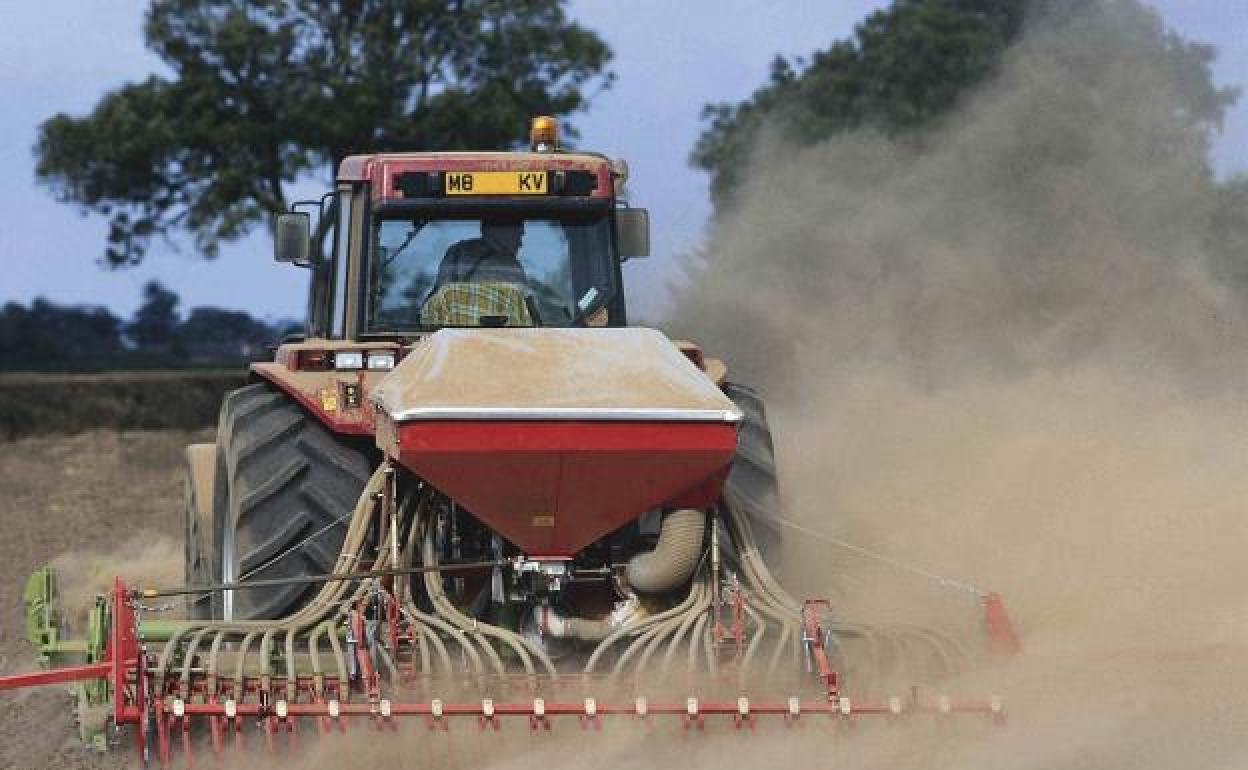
292 237
632 232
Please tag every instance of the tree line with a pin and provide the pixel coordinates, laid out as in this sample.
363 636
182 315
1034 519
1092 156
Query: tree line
46 336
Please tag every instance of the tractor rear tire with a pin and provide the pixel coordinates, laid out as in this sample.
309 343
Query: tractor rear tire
283 494
751 486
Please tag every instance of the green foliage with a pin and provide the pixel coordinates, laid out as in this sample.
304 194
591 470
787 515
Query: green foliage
907 68
904 66
262 91
224 334
50 337
155 323
910 64
45 336
1227 239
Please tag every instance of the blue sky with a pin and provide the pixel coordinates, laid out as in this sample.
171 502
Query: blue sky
671 58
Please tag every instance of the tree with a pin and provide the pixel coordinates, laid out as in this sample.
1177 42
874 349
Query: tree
903 67
155 325
213 334
47 336
263 91
1227 239
50 336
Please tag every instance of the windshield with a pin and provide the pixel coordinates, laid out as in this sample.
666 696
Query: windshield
542 270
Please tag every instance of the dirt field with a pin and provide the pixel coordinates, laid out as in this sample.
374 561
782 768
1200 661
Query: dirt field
113 500
86 495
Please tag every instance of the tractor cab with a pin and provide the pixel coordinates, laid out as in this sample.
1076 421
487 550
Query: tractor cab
531 266
409 243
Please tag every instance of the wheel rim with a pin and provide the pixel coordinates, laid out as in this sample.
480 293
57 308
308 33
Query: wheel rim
227 572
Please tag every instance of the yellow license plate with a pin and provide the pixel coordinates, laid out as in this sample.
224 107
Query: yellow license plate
496 183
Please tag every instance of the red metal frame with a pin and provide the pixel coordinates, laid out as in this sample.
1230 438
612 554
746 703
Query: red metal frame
812 635
57 676
1002 638
277 703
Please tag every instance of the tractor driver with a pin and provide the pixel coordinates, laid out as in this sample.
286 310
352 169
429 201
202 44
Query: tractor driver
488 259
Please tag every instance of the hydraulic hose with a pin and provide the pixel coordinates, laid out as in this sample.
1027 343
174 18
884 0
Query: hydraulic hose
666 624
637 627
684 628
428 624
523 649
654 640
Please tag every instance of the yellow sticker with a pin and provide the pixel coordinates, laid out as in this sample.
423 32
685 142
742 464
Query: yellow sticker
496 183
543 519
329 400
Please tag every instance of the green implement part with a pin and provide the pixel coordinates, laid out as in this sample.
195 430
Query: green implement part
47 630
45 623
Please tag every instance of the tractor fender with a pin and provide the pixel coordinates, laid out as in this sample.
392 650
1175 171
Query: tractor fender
717 370
714 368
338 400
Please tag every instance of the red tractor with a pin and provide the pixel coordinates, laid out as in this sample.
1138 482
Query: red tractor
467 327
471 489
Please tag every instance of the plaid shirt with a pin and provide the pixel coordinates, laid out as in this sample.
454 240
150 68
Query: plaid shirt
464 304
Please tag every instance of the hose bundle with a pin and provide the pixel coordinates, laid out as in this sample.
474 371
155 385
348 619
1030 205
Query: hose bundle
645 644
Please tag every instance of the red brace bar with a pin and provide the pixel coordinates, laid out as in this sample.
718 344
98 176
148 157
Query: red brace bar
812 635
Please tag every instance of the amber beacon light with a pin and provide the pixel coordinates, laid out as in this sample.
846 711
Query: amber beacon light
544 134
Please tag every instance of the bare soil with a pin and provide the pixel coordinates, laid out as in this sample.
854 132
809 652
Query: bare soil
76 499
111 503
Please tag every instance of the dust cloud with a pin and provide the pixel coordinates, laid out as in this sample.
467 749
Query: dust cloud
997 352
1059 219
1000 352
147 560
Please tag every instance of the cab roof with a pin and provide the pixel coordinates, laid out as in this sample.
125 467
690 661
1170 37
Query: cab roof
383 170
364 168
